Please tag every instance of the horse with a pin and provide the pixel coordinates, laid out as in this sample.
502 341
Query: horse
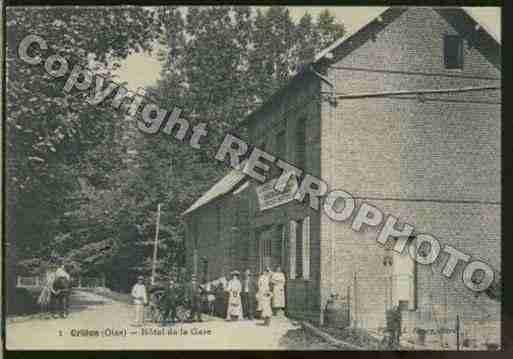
61 290
44 300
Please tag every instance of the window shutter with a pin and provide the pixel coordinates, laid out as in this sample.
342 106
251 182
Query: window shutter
292 249
306 248
283 259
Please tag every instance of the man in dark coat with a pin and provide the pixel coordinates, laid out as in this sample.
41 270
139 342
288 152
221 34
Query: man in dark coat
194 297
394 325
249 290
172 298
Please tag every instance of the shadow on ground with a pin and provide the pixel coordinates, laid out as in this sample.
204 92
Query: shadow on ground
28 309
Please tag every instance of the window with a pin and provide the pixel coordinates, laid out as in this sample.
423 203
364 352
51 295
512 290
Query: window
453 52
265 238
300 143
299 249
403 279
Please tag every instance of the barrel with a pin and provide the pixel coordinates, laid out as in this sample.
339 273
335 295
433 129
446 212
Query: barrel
336 313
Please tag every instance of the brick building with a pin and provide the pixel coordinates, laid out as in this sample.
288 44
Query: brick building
367 118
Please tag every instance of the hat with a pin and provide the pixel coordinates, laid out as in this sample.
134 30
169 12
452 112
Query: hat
235 272
140 277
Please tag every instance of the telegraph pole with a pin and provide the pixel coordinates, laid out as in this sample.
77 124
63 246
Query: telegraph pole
155 247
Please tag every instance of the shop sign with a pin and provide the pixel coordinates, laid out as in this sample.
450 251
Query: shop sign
269 198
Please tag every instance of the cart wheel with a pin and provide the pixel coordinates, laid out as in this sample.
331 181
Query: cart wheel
182 313
155 306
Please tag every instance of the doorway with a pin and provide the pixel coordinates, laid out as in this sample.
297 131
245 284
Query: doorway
270 244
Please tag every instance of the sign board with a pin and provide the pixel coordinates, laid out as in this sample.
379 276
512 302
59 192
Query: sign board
269 198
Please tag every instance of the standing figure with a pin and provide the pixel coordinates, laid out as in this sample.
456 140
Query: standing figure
249 290
393 328
171 300
194 294
44 299
61 272
396 337
140 298
211 298
278 282
234 301
265 299
220 302
60 290
263 287
225 297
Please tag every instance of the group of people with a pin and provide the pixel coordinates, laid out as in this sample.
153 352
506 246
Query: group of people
235 299
249 298
54 295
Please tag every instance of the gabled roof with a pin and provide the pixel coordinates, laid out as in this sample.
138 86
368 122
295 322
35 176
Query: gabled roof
346 36
356 30
384 17
223 186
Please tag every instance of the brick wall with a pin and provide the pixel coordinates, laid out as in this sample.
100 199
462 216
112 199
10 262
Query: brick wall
298 102
396 151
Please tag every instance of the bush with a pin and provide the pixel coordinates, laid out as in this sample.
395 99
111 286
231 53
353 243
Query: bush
22 301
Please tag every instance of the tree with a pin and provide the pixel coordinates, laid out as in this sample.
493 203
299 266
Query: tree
53 137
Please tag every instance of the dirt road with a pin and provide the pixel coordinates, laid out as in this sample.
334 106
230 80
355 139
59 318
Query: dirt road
99 323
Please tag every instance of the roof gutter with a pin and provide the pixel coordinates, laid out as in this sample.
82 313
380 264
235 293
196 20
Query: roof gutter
332 99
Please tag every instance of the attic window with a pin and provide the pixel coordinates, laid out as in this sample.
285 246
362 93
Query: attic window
453 52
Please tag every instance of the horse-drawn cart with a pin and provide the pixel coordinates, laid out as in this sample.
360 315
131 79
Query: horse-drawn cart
54 297
160 304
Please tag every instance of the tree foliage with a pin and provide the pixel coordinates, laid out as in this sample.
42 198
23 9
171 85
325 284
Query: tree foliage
54 137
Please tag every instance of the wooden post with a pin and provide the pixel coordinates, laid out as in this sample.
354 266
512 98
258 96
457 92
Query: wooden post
457 332
349 304
154 267
355 302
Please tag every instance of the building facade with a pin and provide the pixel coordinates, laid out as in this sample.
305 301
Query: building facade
404 114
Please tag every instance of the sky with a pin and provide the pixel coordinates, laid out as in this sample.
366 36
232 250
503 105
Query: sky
141 70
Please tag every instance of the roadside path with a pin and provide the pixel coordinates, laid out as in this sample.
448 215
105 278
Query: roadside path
105 318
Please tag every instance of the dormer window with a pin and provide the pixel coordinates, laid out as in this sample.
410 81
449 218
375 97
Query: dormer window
453 52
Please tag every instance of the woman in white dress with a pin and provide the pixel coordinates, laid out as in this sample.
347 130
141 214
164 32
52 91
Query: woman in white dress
278 282
234 300
263 287
267 313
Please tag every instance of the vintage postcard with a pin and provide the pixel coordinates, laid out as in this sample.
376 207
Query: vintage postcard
255 178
